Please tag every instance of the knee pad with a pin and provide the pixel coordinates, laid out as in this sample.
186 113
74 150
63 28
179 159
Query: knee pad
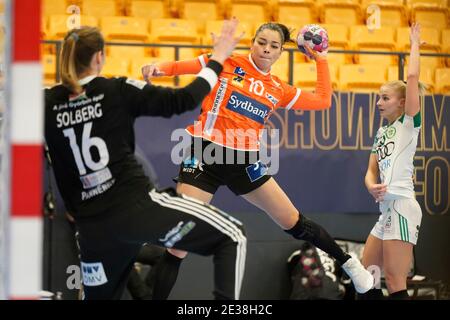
304 229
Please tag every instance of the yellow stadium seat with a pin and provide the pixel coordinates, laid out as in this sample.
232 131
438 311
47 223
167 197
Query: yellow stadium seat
305 76
49 68
296 13
361 38
429 35
214 26
169 53
249 10
338 40
393 73
426 76
59 25
443 81
392 13
185 79
148 9
347 12
173 30
138 63
281 67
51 7
116 67
129 28
128 52
99 8
445 36
426 3
361 78
337 35
430 13
432 45
201 10
431 19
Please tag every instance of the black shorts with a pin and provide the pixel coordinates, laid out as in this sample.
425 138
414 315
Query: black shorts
213 166
110 241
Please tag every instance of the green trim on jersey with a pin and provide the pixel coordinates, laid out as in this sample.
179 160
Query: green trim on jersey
417 119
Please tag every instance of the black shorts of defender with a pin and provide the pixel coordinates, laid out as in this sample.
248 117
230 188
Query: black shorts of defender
110 241
209 166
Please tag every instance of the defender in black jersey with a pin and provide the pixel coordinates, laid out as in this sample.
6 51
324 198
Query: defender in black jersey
89 133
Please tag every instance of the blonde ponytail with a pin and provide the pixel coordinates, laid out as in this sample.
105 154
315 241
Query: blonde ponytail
423 88
400 87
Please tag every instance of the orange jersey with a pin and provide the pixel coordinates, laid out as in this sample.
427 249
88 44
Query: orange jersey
236 110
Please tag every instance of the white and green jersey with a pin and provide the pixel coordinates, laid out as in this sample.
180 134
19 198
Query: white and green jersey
395 146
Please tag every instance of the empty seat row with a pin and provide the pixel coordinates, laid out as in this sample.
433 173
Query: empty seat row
181 31
351 77
341 36
432 13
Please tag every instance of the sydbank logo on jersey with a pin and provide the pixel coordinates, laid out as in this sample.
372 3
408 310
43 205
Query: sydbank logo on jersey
247 107
93 274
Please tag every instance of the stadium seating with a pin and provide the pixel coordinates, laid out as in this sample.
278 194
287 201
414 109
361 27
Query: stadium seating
347 12
432 45
382 39
305 76
214 26
58 25
281 67
392 13
296 13
174 31
426 76
115 67
51 7
49 68
445 40
148 9
249 10
99 8
430 13
338 40
124 28
443 81
190 22
361 78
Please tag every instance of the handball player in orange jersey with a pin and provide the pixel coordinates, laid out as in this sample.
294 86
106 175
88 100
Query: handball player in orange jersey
241 103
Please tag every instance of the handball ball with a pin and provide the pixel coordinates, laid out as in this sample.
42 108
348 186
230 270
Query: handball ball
313 36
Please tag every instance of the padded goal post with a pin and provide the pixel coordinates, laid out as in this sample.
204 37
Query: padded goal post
21 158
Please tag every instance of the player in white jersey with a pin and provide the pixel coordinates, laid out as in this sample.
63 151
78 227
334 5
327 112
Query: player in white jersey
390 243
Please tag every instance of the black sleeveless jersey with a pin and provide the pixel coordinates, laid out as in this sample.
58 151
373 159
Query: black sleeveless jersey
91 140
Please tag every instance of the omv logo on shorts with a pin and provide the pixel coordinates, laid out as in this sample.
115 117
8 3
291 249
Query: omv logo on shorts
93 274
247 107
